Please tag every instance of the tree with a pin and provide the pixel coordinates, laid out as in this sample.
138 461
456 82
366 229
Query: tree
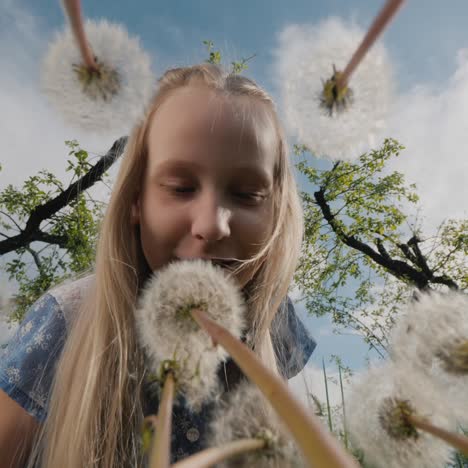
50 229
363 256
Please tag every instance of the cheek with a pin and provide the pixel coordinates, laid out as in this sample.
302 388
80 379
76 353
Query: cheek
161 228
254 229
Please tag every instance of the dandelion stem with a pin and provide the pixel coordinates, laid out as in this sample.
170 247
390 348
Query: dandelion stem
161 452
151 420
320 448
73 10
212 455
345 427
147 431
458 441
376 28
325 379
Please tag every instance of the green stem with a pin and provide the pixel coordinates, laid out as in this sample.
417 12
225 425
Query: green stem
330 424
345 431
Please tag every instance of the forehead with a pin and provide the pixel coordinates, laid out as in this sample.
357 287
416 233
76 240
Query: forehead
201 124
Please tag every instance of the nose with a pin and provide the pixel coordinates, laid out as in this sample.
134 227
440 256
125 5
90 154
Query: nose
211 220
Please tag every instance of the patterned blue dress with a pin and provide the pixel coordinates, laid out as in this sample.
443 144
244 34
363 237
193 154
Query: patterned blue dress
28 362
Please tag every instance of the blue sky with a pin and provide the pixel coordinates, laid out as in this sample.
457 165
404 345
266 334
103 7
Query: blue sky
422 39
427 43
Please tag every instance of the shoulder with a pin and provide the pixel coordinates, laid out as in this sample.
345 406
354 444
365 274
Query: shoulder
27 364
70 295
292 342
27 361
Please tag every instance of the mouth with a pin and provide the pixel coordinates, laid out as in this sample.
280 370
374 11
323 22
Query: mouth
225 263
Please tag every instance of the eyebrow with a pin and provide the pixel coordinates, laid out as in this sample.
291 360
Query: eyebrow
183 165
176 164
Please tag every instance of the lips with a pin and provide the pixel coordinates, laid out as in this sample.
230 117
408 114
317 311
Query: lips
226 263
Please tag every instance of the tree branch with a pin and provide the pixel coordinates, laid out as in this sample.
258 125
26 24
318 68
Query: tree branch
413 244
407 253
42 212
35 257
4 213
382 250
41 236
397 268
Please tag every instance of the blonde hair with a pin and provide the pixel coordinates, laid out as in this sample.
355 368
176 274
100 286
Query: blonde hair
95 410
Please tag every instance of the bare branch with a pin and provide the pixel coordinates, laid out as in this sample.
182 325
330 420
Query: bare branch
413 244
35 257
407 253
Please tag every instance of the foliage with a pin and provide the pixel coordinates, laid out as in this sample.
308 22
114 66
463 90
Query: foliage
356 264
36 265
238 66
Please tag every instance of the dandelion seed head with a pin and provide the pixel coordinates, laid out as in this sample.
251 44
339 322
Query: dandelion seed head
432 324
245 414
433 336
393 418
167 332
304 60
376 425
113 99
454 357
335 98
103 83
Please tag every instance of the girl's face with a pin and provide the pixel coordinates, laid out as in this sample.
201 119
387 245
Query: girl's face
206 192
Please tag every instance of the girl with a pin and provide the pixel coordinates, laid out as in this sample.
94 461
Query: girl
205 175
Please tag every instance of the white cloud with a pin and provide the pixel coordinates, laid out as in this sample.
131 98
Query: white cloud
311 381
432 123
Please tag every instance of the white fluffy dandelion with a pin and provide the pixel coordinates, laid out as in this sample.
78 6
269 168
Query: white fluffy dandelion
168 333
304 61
433 336
377 426
247 415
113 99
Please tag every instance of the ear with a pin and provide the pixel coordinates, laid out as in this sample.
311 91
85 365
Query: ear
135 212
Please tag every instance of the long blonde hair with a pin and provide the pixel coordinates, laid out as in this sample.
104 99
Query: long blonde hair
95 410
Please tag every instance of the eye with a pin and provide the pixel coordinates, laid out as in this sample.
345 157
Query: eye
252 198
179 190
183 189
